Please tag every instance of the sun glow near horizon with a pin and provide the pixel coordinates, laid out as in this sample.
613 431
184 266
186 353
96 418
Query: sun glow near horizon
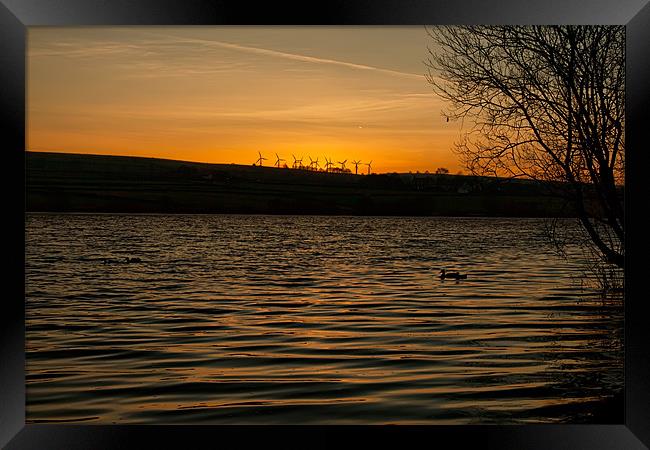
221 94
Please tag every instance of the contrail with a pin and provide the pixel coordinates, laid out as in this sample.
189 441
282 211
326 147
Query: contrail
292 56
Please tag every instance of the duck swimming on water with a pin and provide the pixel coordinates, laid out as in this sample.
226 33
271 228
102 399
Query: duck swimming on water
453 275
125 261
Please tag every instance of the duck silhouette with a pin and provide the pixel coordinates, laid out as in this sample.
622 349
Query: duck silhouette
452 275
126 260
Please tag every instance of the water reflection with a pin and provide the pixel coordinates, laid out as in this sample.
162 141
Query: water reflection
258 319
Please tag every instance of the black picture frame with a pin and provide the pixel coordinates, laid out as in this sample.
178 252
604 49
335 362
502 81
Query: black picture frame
16 15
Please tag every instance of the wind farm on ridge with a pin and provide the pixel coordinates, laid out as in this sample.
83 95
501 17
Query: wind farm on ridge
314 165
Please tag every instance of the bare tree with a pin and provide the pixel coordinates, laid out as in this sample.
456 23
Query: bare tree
542 102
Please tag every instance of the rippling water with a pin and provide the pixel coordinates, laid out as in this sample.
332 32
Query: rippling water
282 319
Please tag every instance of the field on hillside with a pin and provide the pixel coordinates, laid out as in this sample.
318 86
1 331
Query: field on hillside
89 183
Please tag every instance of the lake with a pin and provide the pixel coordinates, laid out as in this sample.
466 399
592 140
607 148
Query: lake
235 319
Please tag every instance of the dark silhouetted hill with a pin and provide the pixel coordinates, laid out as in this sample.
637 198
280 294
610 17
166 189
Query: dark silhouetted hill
60 182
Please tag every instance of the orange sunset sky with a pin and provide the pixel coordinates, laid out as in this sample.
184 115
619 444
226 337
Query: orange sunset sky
220 94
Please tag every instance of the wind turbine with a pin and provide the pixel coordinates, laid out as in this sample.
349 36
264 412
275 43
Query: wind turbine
356 167
277 162
313 162
368 164
328 164
342 163
299 161
260 159
295 160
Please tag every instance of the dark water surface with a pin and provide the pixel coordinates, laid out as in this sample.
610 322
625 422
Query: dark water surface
278 319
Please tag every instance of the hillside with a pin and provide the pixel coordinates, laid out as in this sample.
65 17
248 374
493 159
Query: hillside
61 182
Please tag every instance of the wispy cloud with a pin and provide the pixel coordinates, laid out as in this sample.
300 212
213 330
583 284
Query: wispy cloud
152 58
395 107
85 49
162 43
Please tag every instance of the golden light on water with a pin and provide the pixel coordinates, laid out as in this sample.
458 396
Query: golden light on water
320 319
